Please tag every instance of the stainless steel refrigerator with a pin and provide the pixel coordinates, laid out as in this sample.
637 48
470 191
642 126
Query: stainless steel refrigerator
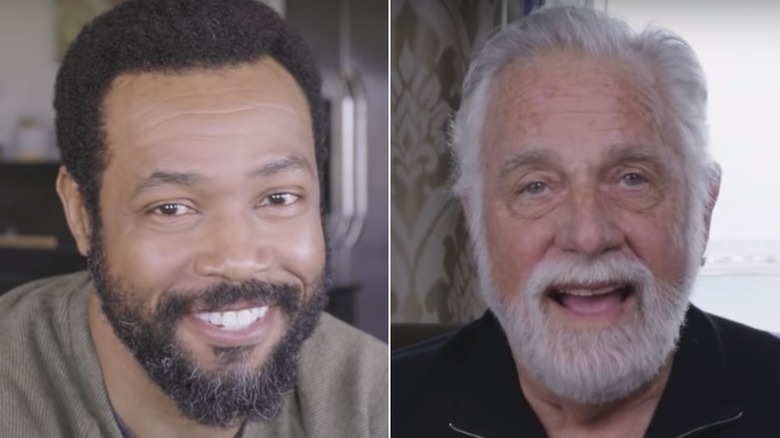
349 39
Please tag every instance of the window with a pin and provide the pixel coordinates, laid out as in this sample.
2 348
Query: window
738 44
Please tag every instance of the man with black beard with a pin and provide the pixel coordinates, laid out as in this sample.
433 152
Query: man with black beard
192 140
583 172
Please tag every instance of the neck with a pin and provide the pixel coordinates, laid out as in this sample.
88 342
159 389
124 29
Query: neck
629 416
135 398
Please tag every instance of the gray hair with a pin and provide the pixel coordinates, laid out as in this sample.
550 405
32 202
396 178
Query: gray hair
665 58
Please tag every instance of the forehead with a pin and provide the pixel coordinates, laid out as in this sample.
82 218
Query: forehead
206 114
567 90
264 80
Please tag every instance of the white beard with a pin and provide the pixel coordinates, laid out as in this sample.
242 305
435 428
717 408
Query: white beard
600 364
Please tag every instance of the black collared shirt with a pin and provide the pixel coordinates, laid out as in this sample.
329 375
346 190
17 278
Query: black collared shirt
725 382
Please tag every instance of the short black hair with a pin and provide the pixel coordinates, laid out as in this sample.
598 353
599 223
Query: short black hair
167 36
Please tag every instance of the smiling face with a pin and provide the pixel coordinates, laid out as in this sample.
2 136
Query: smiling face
211 237
583 213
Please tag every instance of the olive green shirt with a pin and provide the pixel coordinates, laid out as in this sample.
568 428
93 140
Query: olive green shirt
51 384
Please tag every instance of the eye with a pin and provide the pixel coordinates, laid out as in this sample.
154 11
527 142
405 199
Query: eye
534 188
172 209
280 199
633 179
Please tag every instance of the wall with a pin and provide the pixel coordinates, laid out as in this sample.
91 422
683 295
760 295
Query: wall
27 65
432 275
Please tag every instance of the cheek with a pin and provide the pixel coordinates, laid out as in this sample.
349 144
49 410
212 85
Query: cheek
152 262
300 248
515 245
148 262
657 242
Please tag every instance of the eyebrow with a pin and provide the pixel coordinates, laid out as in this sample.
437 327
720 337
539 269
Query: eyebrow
620 153
162 178
616 153
525 159
284 164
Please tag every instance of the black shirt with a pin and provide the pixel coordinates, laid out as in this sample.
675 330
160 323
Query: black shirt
725 382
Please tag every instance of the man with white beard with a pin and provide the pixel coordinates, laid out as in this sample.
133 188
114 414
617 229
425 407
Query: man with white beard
583 171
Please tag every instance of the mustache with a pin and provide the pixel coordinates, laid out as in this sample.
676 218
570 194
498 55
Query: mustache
253 293
574 269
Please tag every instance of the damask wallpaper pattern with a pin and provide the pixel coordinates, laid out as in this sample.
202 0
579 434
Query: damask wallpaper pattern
433 277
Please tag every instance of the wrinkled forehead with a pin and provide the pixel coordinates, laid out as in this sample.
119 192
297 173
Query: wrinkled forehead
524 93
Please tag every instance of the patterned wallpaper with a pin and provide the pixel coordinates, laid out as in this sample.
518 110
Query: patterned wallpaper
432 277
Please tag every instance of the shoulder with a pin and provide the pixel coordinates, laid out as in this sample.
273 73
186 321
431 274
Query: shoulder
743 345
337 332
47 293
430 376
40 342
37 312
343 381
750 359
747 351
435 359
337 347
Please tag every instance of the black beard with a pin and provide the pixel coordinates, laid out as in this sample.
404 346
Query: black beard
218 398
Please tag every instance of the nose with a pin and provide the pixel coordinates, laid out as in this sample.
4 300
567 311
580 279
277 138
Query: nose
233 249
587 228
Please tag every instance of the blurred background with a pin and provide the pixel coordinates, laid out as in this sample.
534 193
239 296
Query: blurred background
349 38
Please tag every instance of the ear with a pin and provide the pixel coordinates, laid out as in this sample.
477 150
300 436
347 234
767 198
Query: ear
713 189
75 210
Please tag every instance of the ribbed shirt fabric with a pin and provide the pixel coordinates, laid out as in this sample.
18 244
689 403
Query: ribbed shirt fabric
51 383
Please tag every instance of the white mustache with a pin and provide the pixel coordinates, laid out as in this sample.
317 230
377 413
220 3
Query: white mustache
573 269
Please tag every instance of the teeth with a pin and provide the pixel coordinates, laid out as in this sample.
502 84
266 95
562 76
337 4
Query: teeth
229 319
588 292
233 320
244 317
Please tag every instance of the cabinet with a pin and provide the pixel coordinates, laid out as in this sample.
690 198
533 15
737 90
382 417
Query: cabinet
34 238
